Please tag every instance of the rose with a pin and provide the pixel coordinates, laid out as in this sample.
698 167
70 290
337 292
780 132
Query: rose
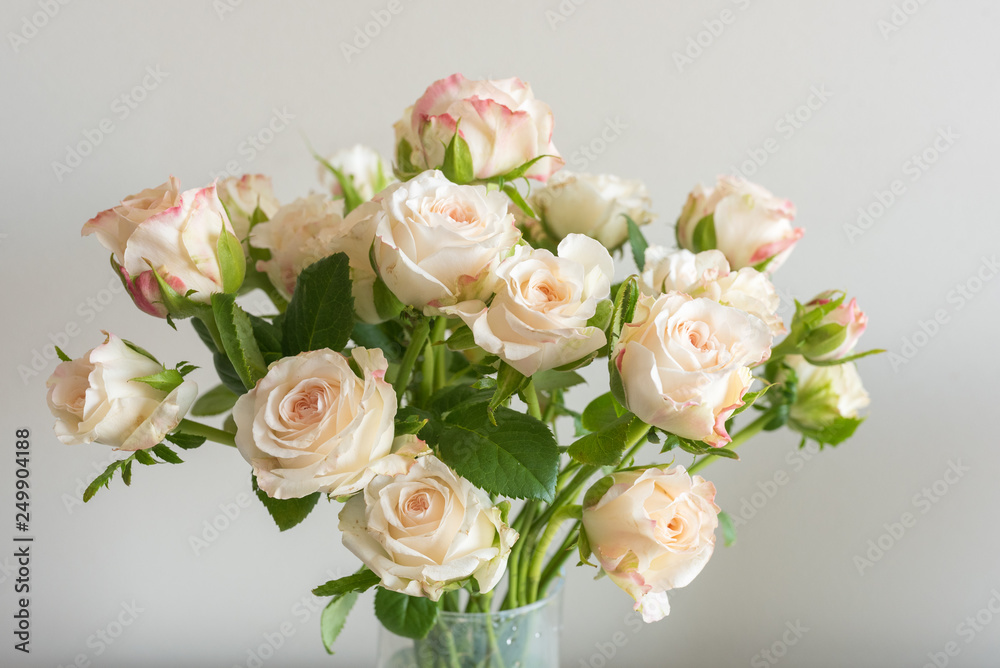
436 243
538 319
363 165
310 229
174 235
651 531
835 334
684 363
313 425
707 274
595 205
242 196
828 400
427 531
500 120
95 398
752 227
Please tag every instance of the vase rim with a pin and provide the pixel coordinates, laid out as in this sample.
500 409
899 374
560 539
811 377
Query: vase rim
554 591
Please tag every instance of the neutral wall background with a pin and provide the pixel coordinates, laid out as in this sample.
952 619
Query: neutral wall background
889 91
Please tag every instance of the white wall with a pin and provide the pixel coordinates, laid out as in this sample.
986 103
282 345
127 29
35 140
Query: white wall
889 97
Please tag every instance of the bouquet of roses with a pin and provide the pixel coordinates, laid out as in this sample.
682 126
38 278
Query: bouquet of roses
428 320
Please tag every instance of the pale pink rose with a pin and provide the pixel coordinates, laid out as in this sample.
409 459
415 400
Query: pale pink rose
437 243
842 328
369 172
94 398
538 318
752 226
707 274
242 196
427 530
652 531
175 234
501 121
684 363
313 425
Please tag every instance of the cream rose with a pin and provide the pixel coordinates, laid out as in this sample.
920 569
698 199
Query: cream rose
594 205
538 318
753 228
707 274
838 331
310 229
427 531
367 169
826 396
652 531
242 196
684 363
177 234
94 398
437 243
501 121
312 425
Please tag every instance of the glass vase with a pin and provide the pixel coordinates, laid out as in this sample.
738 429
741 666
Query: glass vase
525 637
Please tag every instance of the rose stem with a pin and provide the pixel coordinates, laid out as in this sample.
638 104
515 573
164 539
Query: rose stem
211 433
531 398
744 434
417 340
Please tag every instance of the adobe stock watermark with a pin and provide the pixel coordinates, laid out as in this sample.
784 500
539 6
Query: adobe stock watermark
922 502
768 489
32 24
370 30
967 630
103 638
772 655
87 310
913 169
254 144
211 529
606 651
956 299
75 500
900 15
786 127
585 154
224 7
560 13
121 108
712 30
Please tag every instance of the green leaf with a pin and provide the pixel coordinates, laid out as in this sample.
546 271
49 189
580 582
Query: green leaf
602 315
127 472
178 305
546 381
204 334
583 545
331 622
387 305
605 447
518 172
597 491
384 336
186 441
62 356
602 412
166 454
404 167
232 262
219 399
457 166
267 335
750 398
227 374
728 529
703 238
286 513
844 360
516 458
409 422
509 381
144 458
516 198
637 242
361 581
321 313
103 480
237 337
165 381
352 199
834 433
407 616
461 339
450 398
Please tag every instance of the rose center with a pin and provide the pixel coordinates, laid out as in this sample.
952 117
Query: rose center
459 212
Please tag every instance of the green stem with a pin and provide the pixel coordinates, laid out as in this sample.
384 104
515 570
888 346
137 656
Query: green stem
559 558
531 396
542 547
744 435
211 433
522 524
428 368
555 397
417 340
440 353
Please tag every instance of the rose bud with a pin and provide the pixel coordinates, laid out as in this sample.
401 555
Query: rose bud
594 205
748 224
96 398
832 328
828 400
651 531
501 121
427 531
368 171
242 196
182 241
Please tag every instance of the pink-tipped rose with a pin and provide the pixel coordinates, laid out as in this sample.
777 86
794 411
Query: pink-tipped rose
752 227
501 121
838 332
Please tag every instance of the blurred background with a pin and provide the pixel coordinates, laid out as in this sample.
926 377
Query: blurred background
877 118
